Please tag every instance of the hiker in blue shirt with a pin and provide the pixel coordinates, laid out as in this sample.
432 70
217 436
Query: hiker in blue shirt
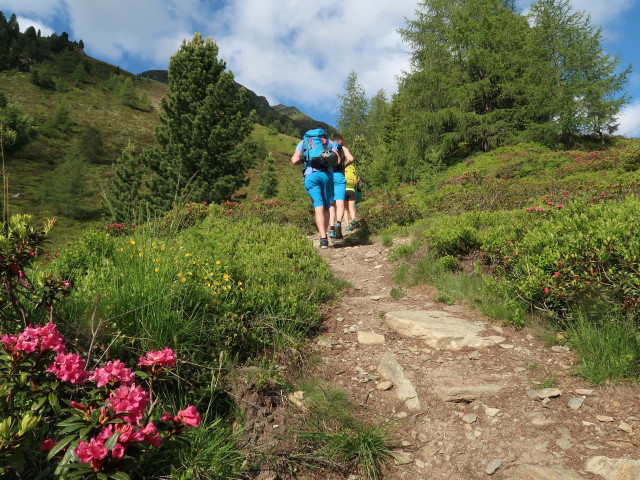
317 153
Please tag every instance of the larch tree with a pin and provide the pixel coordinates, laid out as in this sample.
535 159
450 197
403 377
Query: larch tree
466 88
353 108
204 148
585 92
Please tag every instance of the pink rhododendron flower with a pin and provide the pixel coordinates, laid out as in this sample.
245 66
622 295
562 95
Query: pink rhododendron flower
68 368
37 338
131 400
113 371
164 357
47 444
546 290
151 435
93 452
189 416
8 340
556 274
118 451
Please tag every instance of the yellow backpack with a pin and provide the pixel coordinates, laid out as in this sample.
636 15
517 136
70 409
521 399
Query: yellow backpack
350 175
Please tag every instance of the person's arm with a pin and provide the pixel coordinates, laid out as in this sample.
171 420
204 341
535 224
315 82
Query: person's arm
348 158
296 158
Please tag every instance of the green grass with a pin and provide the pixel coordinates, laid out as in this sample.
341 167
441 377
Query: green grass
334 437
608 347
549 382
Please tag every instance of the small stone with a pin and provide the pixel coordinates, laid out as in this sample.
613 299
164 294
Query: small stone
474 355
584 391
402 458
545 401
401 415
420 464
491 412
377 267
297 398
549 393
506 346
519 369
493 466
375 298
370 338
575 403
469 418
439 360
625 427
384 386
340 319
532 394
604 418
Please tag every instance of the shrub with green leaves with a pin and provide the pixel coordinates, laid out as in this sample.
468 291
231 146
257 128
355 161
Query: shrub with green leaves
382 209
580 256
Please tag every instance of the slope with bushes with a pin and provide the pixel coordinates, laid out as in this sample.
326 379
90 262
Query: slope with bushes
539 233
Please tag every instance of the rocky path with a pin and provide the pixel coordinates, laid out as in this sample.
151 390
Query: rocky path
466 398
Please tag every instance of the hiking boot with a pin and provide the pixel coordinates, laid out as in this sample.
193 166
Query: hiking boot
332 232
353 224
347 228
324 243
338 231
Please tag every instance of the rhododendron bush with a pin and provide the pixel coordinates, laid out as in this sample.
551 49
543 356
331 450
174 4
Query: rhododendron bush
62 420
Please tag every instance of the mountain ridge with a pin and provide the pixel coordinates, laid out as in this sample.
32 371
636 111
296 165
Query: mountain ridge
267 114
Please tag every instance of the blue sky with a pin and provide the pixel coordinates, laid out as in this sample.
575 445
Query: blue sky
274 48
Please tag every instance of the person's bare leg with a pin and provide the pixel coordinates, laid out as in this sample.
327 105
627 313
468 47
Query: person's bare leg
322 220
339 211
332 214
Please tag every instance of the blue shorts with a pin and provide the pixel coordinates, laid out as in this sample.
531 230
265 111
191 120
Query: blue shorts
339 186
319 186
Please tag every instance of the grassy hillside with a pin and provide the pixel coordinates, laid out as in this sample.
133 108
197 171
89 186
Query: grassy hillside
94 104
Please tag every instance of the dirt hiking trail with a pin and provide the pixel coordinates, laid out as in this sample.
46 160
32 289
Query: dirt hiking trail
465 397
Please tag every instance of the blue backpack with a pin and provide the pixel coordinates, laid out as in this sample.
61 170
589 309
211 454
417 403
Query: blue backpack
318 153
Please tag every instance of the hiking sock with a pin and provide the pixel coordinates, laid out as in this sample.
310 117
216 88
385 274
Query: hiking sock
332 232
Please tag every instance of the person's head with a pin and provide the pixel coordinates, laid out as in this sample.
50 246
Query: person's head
336 137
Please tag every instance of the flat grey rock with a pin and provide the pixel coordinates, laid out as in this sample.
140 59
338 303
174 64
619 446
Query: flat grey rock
614 468
541 472
466 393
440 329
390 369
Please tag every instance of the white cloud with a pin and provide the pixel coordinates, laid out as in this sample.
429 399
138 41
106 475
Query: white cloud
288 54
630 120
39 8
603 12
45 30
297 52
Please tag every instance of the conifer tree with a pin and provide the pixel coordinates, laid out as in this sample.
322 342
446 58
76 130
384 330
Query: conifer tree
269 181
66 190
15 126
204 152
123 192
352 111
584 93
466 88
